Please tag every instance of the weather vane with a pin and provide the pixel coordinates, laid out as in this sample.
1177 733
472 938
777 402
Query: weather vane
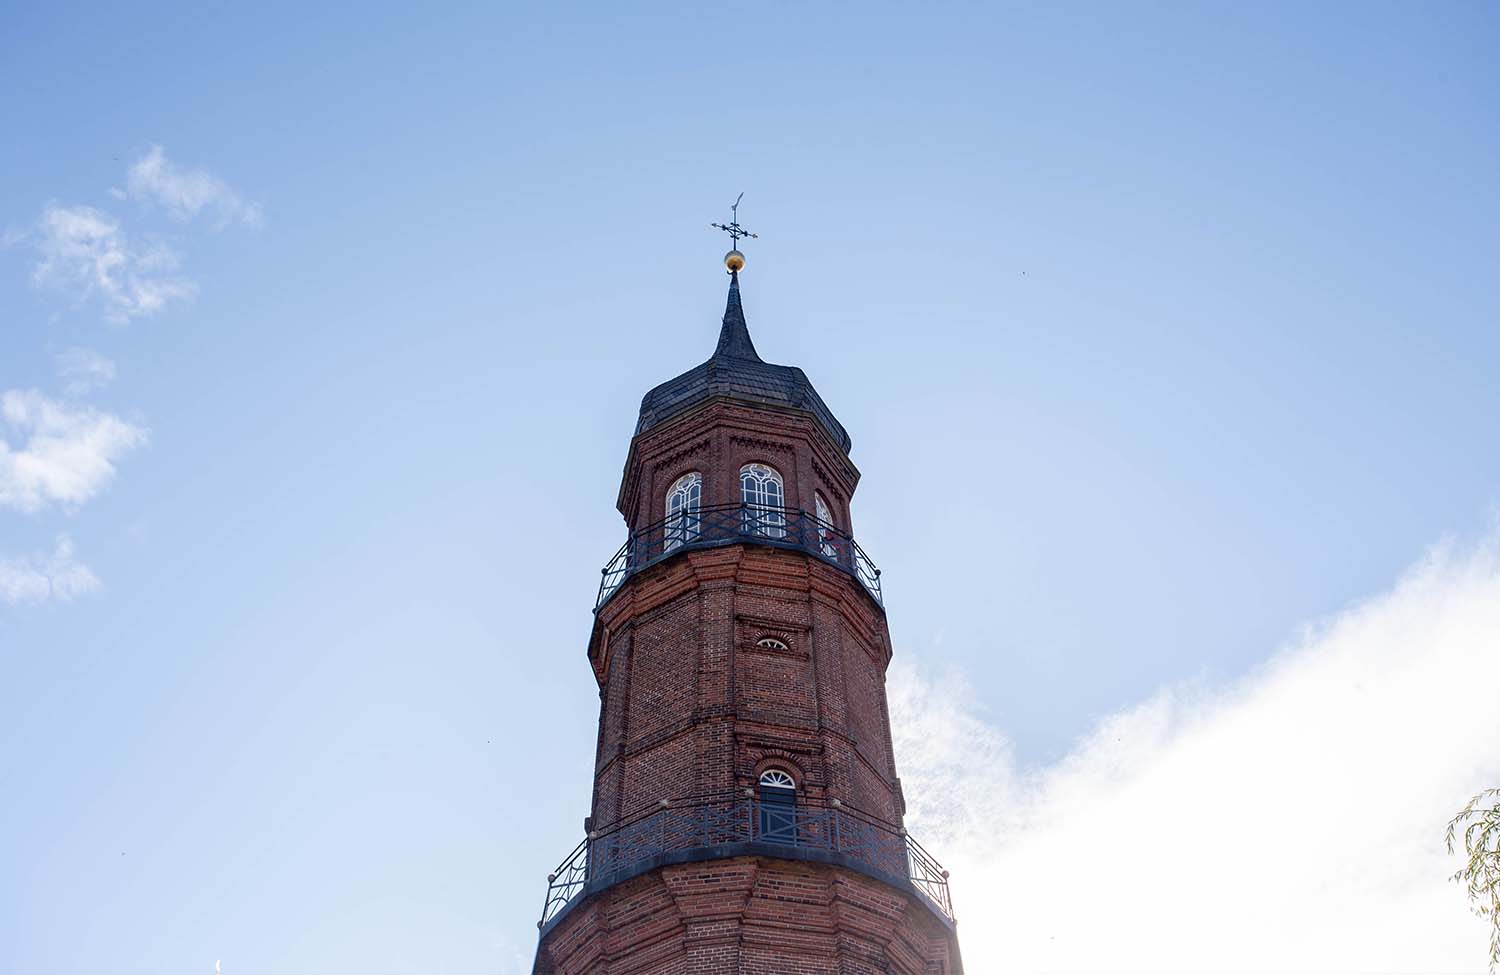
734 260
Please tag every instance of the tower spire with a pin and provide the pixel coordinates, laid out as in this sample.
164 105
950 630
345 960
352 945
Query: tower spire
734 334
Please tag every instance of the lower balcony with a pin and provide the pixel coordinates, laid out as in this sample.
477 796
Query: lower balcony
730 524
711 830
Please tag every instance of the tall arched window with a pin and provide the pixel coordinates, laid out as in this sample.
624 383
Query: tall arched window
778 806
762 497
684 502
825 528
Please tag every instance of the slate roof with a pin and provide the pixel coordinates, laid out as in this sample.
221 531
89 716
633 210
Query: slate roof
735 370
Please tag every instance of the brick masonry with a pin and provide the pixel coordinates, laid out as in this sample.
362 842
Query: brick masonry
692 707
749 916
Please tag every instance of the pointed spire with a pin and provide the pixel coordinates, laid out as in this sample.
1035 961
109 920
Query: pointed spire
734 336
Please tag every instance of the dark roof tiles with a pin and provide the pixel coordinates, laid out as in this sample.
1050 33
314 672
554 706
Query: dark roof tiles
736 371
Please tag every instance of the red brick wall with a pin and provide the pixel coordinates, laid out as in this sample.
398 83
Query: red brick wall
750 916
691 707
718 439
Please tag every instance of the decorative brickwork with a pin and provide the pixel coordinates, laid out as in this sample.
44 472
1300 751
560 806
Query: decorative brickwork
718 438
691 705
716 663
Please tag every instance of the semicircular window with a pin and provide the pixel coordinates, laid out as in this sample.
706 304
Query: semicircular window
770 643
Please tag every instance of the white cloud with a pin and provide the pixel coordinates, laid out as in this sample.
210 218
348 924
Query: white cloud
84 370
40 578
62 453
83 250
186 193
1291 822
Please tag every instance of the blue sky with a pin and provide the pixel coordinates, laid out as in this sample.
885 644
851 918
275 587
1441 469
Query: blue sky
1160 332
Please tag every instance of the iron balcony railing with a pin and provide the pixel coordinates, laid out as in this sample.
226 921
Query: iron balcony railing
727 524
746 826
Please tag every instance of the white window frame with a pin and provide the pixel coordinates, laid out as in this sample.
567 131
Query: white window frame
778 778
684 506
763 494
825 527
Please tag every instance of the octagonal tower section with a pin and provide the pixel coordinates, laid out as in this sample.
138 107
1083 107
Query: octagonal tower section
747 815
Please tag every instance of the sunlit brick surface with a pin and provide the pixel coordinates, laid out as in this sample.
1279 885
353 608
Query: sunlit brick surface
691 705
749 916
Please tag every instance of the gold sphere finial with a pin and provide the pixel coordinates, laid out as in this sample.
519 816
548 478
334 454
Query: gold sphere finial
734 260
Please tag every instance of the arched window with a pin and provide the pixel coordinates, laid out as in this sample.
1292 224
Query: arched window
825 528
778 806
771 643
762 500
684 502
775 778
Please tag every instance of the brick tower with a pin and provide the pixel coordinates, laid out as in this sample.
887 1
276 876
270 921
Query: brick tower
747 816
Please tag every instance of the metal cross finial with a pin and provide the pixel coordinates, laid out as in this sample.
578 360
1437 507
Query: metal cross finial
733 228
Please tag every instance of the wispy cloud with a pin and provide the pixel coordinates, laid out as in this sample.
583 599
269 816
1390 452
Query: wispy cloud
42 578
85 252
84 370
188 193
52 452
1291 822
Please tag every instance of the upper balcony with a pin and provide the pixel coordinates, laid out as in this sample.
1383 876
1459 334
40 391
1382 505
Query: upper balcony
733 524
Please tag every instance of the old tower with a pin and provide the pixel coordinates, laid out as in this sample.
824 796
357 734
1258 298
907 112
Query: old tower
747 815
